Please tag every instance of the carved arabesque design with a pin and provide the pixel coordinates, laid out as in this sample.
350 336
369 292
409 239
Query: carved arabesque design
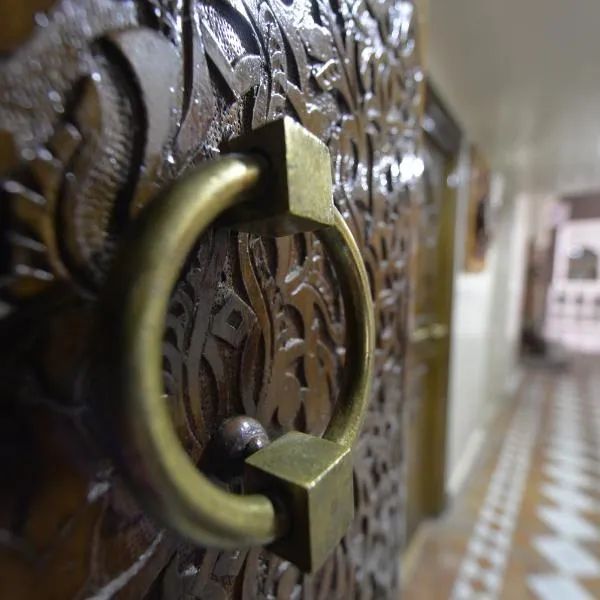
255 325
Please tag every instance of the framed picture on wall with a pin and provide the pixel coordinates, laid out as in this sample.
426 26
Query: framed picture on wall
479 214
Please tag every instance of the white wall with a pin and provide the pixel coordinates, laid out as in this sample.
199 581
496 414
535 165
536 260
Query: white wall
573 307
485 333
508 296
468 370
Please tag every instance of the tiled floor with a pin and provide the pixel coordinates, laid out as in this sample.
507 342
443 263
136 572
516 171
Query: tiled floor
527 524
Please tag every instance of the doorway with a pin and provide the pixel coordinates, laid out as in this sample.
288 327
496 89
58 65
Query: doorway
430 319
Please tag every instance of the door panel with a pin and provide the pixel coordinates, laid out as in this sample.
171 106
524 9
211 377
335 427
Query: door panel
428 358
106 102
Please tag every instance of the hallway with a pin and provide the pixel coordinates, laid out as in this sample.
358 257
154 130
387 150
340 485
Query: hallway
527 523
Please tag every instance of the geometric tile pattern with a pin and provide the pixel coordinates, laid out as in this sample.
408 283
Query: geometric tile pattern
571 499
572 476
567 556
568 524
497 541
557 587
481 572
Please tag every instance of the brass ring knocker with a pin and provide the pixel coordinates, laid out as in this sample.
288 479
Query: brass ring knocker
144 441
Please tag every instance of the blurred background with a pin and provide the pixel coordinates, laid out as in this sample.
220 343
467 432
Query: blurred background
517 515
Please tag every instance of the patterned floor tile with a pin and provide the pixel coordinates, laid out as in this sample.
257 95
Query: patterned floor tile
557 587
576 463
572 498
567 556
568 524
592 586
530 513
571 477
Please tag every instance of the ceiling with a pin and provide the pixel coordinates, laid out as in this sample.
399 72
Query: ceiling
523 79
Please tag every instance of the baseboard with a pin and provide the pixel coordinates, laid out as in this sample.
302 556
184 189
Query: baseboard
477 438
410 557
466 462
514 382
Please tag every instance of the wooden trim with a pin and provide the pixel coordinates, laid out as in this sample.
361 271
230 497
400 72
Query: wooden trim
428 492
437 402
583 206
440 124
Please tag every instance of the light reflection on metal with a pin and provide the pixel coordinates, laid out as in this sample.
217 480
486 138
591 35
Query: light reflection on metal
411 169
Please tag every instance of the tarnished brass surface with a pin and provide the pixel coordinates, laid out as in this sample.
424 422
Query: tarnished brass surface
291 201
439 331
420 335
313 477
166 481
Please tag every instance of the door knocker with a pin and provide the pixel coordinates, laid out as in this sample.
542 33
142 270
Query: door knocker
299 489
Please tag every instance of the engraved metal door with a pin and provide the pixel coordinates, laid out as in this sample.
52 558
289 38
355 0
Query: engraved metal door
103 103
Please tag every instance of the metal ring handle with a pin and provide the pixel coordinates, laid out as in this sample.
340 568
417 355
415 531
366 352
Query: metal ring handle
145 443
